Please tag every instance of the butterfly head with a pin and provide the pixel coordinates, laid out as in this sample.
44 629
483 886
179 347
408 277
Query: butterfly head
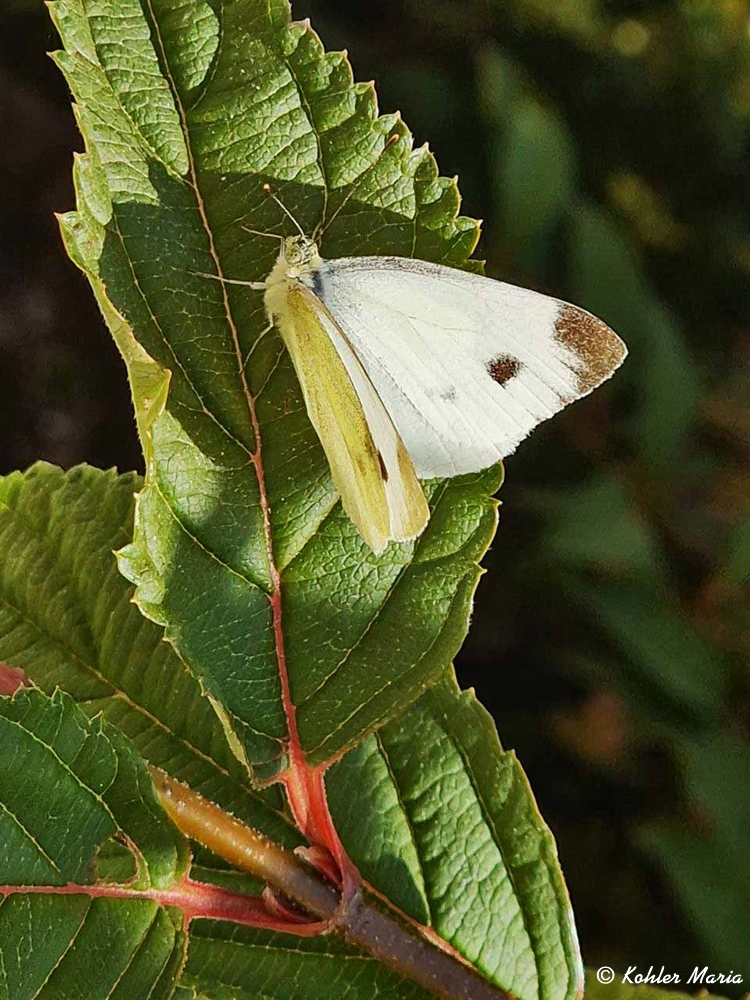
300 252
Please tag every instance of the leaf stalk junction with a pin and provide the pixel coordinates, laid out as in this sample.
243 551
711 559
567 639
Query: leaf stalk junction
301 900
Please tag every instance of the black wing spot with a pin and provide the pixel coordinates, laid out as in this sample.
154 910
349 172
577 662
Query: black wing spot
449 396
383 470
317 283
504 368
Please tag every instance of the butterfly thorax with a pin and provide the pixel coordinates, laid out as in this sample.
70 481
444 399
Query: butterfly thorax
297 261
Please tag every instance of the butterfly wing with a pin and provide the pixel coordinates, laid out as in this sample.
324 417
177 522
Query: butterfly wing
370 467
466 366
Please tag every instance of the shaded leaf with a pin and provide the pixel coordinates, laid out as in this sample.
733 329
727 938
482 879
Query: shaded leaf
737 566
617 990
596 526
683 675
536 181
607 275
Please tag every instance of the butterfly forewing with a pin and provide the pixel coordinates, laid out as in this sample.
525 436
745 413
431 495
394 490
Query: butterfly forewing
369 464
466 366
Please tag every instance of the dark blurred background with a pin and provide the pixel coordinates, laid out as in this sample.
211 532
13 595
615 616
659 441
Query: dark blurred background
607 145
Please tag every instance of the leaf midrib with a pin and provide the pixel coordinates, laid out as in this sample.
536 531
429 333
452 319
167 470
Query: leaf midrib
68 947
30 837
182 113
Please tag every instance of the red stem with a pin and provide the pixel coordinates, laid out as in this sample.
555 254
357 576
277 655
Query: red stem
195 899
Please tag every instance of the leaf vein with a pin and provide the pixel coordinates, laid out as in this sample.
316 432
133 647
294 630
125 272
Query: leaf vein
134 954
212 416
27 833
97 796
115 692
66 950
407 818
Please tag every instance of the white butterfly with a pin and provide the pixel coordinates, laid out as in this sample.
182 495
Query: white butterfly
412 370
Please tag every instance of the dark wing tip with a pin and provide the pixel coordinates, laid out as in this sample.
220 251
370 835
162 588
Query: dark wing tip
598 349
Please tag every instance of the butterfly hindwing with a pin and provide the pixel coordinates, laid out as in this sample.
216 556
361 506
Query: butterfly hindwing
466 366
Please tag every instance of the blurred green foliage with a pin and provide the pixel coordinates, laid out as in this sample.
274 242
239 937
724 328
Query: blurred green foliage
607 144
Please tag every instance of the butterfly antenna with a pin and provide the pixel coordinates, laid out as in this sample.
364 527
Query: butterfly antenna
320 230
257 285
272 194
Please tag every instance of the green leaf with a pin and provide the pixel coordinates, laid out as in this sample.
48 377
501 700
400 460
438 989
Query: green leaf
582 19
87 779
241 549
120 949
69 784
445 825
67 619
536 181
